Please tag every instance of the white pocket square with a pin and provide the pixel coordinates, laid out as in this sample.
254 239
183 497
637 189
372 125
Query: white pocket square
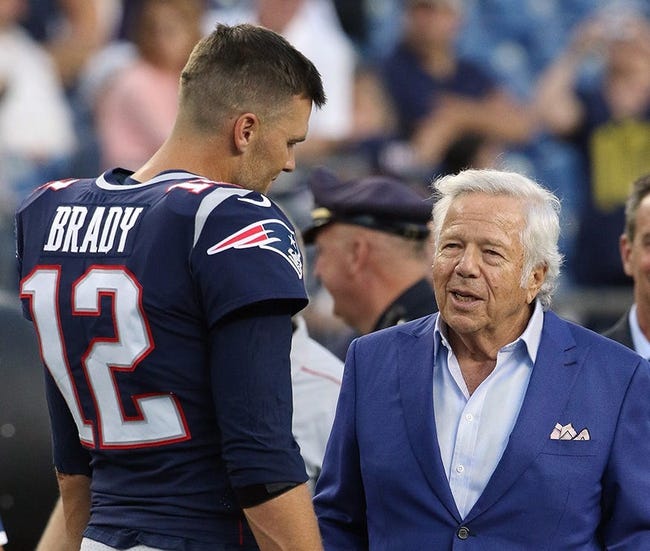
567 432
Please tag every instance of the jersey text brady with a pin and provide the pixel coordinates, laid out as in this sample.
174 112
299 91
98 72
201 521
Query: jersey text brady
83 229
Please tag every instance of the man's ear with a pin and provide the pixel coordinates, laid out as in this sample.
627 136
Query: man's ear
535 281
359 252
244 130
625 248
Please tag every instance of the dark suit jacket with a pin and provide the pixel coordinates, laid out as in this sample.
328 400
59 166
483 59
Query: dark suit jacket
383 485
621 331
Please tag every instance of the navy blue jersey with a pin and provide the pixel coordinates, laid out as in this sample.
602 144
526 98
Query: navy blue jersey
134 290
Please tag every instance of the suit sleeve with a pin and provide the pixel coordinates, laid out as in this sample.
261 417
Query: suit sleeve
340 498
625 522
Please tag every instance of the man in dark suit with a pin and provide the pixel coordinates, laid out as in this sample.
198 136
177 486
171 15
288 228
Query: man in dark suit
493 424
633 329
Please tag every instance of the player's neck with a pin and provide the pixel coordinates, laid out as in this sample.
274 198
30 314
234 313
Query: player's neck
179 154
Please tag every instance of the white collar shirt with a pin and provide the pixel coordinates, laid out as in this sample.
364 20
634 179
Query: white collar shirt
639 340
473 430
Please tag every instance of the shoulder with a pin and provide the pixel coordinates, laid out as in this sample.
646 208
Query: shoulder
410 330
621 330
204 198
55 190
600 352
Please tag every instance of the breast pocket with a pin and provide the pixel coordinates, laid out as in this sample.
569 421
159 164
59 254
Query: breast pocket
571 447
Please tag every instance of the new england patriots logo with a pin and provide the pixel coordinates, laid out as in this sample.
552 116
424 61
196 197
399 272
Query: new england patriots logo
270 234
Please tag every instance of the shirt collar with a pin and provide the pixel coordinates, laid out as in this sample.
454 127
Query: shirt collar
531 336
639 340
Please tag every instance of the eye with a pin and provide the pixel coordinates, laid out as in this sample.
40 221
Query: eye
492 255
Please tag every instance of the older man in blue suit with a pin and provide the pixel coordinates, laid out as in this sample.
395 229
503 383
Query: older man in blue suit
493 425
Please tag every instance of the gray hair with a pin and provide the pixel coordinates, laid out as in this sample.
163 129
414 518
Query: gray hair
541 233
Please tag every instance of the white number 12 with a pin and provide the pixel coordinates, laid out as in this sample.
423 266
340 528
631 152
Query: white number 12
160 417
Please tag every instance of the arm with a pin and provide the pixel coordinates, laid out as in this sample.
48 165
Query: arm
55 535
556 105
625 522
285 522
71 512
83 34
75 499
252 390
497 116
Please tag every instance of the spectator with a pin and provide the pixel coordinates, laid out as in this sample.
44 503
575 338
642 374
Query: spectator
608 120
372 249
313 27
37 137
3 536
451 426
71 31
440 97
136 107
633 328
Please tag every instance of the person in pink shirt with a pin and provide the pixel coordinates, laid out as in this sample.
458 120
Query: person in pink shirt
136 106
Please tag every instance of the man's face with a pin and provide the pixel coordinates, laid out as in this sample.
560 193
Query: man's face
435 25
332 268
272 151
477 269
636 254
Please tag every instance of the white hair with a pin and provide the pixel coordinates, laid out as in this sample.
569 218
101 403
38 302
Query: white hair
541 209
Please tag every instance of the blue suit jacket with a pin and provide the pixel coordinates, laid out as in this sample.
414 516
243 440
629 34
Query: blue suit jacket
383 486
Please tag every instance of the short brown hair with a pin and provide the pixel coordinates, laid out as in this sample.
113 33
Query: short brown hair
245 68
640 188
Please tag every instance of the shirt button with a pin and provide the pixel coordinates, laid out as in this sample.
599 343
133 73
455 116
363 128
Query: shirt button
460 469
463 533
469 417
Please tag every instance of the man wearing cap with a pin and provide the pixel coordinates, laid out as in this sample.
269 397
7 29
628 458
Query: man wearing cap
372 249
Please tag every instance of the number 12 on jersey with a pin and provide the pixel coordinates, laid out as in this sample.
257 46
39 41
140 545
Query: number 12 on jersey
160 418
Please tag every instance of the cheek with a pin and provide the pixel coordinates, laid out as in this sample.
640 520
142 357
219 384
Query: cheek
323 266
442 268
643 263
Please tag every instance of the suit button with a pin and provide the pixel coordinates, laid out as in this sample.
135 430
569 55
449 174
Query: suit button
463 533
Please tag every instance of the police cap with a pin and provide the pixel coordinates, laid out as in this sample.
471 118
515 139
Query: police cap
377 202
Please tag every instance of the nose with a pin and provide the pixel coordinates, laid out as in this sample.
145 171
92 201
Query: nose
290 165
468 263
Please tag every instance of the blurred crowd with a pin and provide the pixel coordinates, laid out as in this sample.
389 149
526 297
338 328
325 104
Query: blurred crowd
558 90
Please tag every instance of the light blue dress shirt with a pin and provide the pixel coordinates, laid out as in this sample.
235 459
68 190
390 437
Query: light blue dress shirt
473 431
641 344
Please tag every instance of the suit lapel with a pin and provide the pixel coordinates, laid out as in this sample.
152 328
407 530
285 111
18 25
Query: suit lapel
553 376
622 332
415 368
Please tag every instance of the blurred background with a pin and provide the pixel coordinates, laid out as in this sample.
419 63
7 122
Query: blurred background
556 89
